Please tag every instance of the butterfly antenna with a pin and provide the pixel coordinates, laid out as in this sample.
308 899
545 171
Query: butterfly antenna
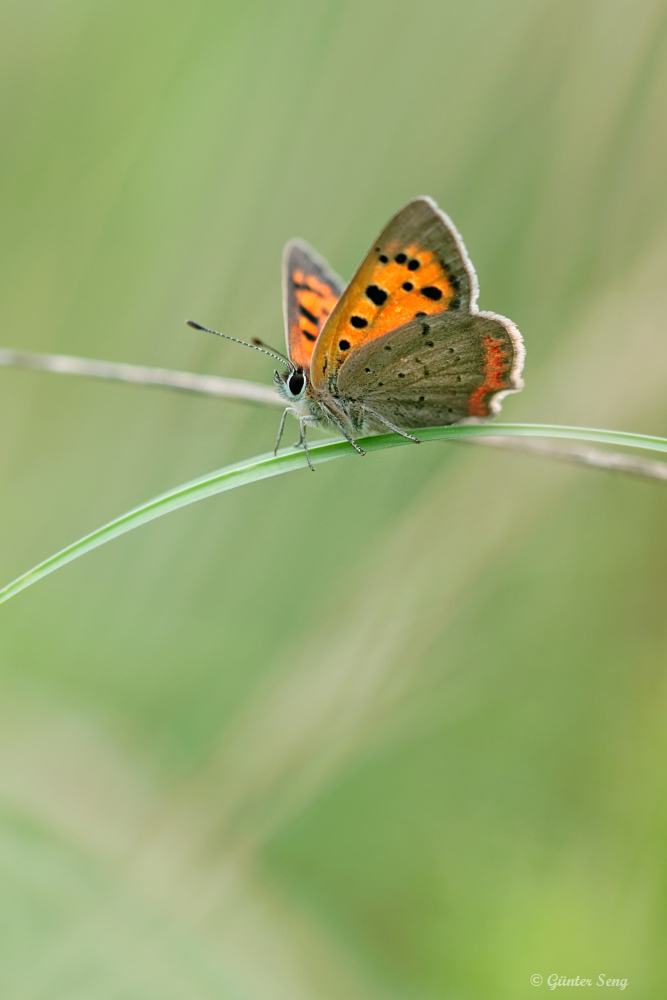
254 346
260 343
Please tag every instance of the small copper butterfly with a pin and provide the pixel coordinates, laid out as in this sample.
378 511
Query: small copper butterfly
403 346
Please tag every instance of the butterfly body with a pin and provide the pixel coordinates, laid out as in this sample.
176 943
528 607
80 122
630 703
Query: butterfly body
404 345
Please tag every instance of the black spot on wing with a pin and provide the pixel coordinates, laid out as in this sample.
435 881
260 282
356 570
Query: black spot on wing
306 313
376 294
309 336
344 345
307 288
431 292
359 322
401 258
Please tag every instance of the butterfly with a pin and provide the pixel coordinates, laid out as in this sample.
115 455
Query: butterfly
402 346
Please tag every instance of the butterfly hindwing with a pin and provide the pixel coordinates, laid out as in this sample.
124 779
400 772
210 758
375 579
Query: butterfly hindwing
310 292
434 371
417 267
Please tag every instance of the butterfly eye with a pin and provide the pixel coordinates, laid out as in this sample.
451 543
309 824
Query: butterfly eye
295 383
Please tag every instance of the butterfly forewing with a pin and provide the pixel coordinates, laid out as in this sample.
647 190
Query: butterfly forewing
310 292
417 267
433 371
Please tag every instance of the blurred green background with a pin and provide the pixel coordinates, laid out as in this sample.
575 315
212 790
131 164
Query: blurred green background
392 730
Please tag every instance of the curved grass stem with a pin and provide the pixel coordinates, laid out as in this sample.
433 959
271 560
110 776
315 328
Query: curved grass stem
288 460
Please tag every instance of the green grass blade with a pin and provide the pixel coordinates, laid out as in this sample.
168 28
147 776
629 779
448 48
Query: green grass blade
268 465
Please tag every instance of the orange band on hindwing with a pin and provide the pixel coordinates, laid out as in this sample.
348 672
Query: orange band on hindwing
497 369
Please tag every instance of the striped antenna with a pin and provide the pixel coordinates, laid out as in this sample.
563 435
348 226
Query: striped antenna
254 347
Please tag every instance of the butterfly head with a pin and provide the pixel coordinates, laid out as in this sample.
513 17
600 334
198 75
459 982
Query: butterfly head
291 384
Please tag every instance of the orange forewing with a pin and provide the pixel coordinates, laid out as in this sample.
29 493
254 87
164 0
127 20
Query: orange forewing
311 290
416 267
404 294
315 302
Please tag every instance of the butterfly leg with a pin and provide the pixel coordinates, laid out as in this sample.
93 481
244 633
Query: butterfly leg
341 427
392 427
301 443
303 422
288 409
